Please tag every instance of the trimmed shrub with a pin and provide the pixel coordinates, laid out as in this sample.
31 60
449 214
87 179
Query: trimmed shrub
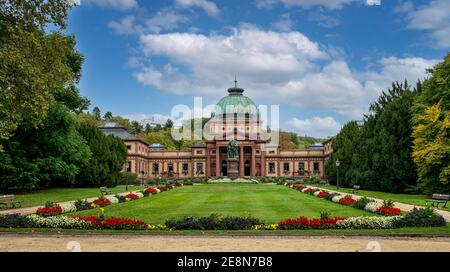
362 202
369 222
425 217
213 222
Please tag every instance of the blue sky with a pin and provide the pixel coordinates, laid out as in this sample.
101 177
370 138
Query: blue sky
322 61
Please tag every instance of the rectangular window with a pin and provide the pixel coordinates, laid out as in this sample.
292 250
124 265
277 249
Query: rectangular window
301 167
129 166
185 168
155 169
129 147
200 168
316 167
286 167
272 168
170 168
199 152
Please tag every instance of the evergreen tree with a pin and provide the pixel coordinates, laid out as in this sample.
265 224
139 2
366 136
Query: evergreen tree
108 116
108 157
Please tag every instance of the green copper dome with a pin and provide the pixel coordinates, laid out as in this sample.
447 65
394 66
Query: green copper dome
236 102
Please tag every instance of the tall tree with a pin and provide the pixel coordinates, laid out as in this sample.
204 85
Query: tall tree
108 116
97 113
108 157
34 64
432 130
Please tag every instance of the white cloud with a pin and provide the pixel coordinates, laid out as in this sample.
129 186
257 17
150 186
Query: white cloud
165 19
208 6
124 26
433 17
115 4
323 20
316 126
273 67
285 23
329 4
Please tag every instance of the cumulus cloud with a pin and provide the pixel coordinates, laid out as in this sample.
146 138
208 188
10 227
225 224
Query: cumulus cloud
278 67
285 23
433 17
124 26
165 19
208 6
329 4
316 126
115 4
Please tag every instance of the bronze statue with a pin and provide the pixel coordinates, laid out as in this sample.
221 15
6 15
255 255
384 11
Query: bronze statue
233 149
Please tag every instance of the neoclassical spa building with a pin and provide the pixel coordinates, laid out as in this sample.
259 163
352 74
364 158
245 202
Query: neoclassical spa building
236 116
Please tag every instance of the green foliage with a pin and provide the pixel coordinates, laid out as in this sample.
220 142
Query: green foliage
50 155
128 176
82 205
426 217
377 155
213 222
35 66
388 203
431 130
108 157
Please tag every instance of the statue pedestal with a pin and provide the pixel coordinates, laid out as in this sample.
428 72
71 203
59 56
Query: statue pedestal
233 169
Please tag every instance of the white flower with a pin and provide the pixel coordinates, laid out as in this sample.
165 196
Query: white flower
63 222
337 198
368 222
317 193
113 199
139 194
68 207
304 189
158 191
373 206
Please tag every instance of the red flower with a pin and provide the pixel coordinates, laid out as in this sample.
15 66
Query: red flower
164 188
323 194
92 219
388 211
102 203
49 211
299 187
123 223
151 191
303 222
347 201
132 196
307 191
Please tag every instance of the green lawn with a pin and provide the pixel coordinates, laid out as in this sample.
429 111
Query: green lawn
39 197
271 203
418 200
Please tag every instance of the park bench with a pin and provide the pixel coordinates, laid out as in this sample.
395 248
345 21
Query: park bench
105 191
355 189
438 198
9 200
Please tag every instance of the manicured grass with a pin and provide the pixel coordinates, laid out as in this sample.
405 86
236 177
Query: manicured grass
418 200
271 203
39 197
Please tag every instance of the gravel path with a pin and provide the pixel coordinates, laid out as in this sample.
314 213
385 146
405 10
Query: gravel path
150 243
399 205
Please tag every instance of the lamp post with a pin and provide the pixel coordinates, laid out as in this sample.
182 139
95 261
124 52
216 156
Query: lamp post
127 165
337 168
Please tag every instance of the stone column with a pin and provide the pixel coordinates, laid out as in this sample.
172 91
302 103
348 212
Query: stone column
208 163
253 170
262 162
217 162
241 161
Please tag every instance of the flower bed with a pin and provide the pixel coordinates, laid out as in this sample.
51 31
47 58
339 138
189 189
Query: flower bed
102 202
49 211
152 191
362 203
347 201
132 196
305 223
115 223
388 211
323 194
